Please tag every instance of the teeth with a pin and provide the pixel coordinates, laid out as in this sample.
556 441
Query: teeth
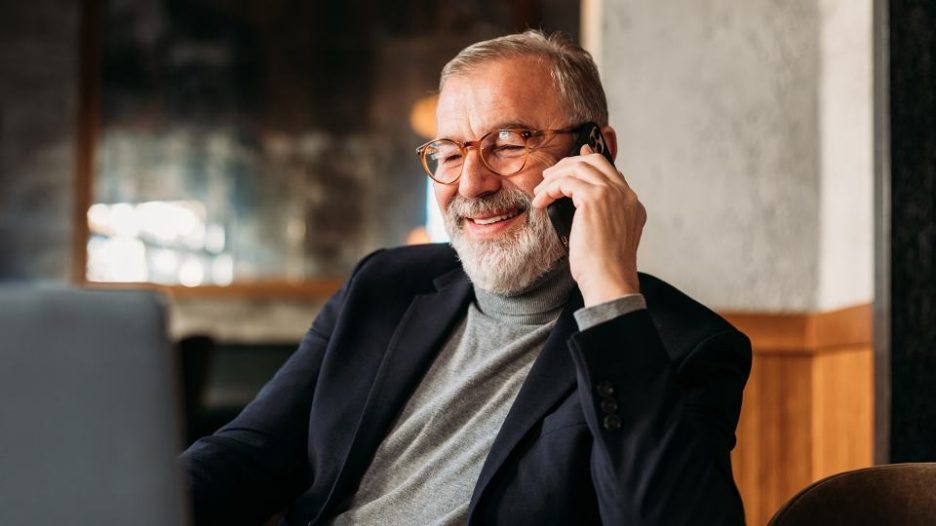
495 219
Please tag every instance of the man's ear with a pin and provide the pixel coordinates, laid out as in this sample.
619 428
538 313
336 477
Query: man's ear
610 137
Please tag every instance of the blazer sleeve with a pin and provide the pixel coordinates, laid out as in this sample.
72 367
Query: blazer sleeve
255 465
663 430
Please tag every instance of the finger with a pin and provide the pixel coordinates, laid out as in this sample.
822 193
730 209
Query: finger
563 187
598 161
583 171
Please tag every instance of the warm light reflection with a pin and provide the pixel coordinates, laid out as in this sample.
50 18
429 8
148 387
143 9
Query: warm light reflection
191 272
158 241
418 236
172 222
117 259
222 270
422 116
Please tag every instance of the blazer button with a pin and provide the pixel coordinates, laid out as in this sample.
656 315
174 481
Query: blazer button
605 388
609 405
612 422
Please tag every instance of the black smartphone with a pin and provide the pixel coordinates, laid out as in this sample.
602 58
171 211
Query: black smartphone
561 210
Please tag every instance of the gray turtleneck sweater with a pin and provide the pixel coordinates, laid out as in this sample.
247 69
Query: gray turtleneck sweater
426 468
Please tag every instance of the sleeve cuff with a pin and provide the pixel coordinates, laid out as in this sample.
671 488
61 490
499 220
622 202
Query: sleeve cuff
588 317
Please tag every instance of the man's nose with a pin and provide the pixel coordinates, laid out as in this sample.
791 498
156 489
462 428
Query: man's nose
476 179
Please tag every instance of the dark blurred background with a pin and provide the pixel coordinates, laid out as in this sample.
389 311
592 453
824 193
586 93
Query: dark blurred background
246 146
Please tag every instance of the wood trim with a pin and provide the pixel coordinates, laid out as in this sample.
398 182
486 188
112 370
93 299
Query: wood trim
809 333
772 333
314 288
88 126
839 328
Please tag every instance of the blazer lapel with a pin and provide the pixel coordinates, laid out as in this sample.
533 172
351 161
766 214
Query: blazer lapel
419 336
549 380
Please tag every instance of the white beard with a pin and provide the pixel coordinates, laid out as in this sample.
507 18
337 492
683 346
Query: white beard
507 264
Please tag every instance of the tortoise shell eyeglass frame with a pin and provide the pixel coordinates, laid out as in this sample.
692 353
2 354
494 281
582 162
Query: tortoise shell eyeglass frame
526 135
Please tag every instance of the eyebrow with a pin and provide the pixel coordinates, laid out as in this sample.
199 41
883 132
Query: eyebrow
499 126
511 124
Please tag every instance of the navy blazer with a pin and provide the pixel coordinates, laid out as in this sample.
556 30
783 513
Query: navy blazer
629 422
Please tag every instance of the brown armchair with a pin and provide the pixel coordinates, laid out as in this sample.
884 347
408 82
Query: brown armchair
902 494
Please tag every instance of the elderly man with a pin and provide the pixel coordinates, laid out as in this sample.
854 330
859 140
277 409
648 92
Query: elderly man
511 380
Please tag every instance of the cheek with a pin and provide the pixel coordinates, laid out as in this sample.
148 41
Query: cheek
444 194
527 181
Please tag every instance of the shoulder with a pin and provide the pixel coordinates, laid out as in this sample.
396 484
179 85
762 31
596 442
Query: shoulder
415 268
682 322
387 280
440 256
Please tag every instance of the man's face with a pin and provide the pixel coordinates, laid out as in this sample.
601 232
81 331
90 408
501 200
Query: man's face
503 242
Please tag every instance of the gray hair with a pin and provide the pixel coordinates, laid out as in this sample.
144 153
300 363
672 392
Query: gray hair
571 68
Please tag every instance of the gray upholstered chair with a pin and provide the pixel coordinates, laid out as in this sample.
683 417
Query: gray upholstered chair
900 494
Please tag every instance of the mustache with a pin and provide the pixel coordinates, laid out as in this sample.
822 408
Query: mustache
504 199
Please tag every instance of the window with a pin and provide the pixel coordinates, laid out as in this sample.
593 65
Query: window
244 142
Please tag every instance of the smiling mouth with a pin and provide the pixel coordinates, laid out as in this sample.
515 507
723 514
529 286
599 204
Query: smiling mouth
496 219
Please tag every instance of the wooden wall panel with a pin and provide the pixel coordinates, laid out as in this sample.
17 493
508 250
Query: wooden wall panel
842 411
772 458
750 451
807 409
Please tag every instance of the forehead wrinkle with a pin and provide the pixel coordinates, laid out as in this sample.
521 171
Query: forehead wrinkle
476 106
492 98
478 121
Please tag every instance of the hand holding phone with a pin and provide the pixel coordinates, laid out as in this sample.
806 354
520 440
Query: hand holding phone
609 219
562 210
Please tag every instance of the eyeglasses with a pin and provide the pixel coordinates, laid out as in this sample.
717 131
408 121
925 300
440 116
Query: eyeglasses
504 152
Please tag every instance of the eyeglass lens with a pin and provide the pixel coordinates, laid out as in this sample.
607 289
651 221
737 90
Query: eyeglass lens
502 151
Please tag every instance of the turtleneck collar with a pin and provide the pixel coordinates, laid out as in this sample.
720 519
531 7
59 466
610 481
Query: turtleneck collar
539 303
